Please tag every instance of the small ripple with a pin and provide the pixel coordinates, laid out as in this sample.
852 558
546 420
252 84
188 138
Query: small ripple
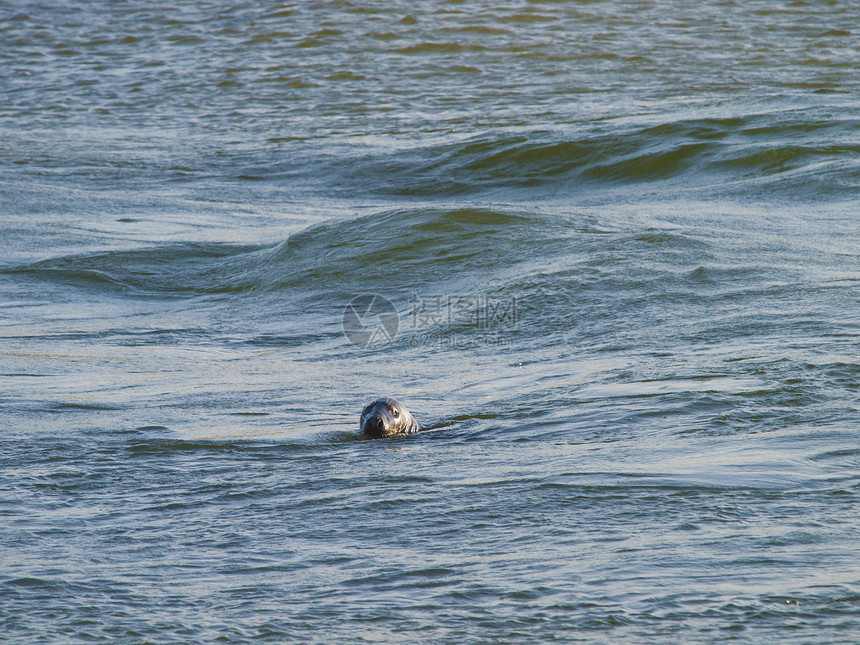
420 578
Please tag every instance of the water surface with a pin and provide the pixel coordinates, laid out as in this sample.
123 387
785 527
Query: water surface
622 242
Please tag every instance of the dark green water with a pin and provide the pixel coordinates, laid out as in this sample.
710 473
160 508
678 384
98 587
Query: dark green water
620 241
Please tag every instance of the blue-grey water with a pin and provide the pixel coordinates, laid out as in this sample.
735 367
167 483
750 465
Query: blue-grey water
621 240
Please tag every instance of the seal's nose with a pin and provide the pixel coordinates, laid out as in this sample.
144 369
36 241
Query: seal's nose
375 426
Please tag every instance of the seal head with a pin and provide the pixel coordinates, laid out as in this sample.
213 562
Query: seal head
387 418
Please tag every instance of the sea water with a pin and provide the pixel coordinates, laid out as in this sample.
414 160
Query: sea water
607 251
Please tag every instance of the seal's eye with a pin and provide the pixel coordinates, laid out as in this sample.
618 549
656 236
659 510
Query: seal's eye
395 412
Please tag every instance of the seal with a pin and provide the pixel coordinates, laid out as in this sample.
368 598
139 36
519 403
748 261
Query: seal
387 418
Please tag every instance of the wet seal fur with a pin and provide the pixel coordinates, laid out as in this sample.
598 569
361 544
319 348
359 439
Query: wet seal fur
387 418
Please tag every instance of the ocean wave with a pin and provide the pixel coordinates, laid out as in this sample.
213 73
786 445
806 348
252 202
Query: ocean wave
176 270
704 152
390 249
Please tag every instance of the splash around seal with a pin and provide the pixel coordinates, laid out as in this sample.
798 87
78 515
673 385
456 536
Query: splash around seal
387 417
